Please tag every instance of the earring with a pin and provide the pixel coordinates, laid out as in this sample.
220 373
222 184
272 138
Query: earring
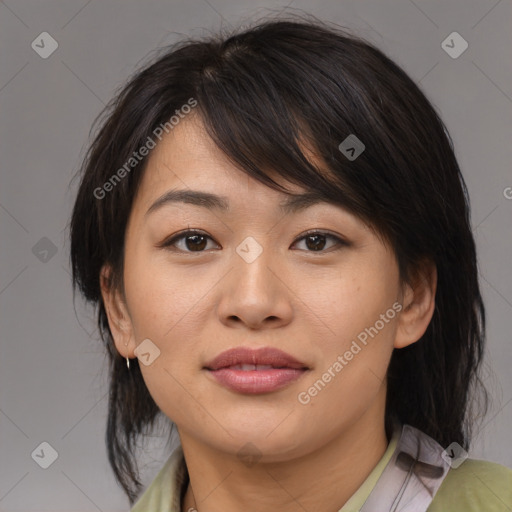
127 360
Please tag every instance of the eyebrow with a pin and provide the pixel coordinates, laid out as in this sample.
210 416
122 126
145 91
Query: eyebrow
292 204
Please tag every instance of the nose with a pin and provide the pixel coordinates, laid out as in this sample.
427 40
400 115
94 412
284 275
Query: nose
256 294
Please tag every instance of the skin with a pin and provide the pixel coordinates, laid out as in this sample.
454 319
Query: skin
311 304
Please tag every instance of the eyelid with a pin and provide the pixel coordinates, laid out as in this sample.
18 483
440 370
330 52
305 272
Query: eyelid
340 241
326 233
182 234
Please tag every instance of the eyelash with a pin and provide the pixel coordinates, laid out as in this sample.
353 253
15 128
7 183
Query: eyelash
167 244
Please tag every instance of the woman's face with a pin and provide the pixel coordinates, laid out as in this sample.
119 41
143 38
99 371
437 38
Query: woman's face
253 280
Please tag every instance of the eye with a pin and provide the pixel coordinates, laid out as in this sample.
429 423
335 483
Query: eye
315 240
193 241
197 241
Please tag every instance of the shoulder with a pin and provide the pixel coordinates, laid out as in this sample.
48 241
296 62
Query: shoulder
475 486
163 492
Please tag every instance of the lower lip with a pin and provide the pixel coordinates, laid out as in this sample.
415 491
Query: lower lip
256 381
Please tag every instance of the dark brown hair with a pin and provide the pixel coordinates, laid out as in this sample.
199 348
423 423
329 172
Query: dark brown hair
261 93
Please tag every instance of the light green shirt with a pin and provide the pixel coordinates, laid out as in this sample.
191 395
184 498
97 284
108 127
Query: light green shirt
475 486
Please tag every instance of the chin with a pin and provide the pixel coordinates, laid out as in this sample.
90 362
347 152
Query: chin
267 444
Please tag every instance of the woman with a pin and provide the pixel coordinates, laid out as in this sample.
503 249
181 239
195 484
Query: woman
276 233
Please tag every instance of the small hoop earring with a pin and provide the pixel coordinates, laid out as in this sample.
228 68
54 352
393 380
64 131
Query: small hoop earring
127 360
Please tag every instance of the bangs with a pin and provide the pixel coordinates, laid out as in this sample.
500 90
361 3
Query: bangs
271 119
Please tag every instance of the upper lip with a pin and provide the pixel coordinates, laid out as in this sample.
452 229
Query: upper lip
264 356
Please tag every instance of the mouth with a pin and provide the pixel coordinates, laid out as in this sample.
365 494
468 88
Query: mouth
255 371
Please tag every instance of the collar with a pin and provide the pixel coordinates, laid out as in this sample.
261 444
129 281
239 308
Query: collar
408 475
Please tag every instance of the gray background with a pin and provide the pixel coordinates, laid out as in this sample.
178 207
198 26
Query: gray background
53 379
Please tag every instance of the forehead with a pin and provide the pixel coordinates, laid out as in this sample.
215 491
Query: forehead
187 158
186 166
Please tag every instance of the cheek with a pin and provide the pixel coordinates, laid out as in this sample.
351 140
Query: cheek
350 375
168 305
160 297
352 300
359 329
165 307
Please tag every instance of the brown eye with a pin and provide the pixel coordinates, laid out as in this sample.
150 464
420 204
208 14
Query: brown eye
189 241
315 241
195 242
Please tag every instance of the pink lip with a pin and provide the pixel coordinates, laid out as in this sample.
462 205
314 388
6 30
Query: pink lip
285 369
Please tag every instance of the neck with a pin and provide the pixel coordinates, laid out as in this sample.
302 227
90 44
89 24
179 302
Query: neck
323 479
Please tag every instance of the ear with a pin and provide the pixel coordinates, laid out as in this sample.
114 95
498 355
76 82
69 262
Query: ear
117 313
418 305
